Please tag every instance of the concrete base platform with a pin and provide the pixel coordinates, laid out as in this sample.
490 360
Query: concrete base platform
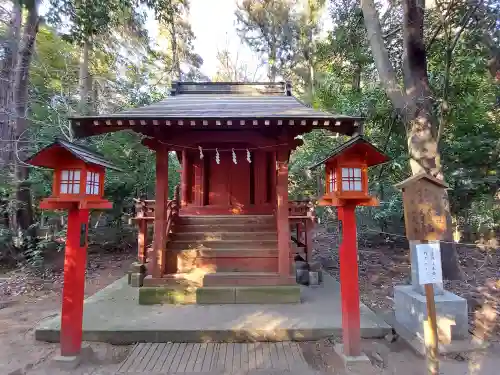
349 360
411 311
417 343
114 315
66 362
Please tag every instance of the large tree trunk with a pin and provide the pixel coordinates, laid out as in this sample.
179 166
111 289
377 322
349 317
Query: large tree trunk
7 108
85 80
272 72
23 214
175 53
414 104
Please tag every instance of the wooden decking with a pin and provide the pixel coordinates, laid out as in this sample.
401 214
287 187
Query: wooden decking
179 358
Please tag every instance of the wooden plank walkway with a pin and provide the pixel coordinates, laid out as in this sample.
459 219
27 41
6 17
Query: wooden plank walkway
227 358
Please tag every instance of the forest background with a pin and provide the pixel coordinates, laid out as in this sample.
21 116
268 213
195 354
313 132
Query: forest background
427 79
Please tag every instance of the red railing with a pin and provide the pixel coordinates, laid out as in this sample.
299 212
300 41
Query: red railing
145 208
145 212
300 208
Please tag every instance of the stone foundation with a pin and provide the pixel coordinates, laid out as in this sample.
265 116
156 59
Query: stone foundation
278 294
411 311
136 274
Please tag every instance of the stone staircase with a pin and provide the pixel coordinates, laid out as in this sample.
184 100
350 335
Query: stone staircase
227 259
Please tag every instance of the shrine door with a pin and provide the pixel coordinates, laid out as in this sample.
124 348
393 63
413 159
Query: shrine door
229 183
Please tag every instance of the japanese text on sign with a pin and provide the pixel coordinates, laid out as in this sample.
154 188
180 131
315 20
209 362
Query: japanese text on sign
429 263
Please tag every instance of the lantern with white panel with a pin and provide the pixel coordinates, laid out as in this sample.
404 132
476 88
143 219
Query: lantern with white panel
78 186
78 179
346 173
346 186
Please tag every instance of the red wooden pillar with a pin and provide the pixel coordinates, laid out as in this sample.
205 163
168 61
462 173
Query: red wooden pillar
308 240
282 214
75 261
184 179
142 241
273 177
349 285
160 223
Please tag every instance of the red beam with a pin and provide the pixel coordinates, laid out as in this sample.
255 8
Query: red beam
75 255
282 214
349 285
184 179
142 241
215 136
160 222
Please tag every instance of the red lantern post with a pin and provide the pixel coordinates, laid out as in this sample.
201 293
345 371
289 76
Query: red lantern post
78 186
346 188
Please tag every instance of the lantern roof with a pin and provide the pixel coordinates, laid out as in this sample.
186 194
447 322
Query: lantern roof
45 157
358 145
422 176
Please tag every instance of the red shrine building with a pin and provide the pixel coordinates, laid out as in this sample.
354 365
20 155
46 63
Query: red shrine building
225 235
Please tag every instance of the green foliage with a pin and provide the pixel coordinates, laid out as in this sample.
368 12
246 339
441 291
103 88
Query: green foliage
346 84
267 26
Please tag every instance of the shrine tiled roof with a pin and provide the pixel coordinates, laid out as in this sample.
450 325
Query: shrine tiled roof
221 104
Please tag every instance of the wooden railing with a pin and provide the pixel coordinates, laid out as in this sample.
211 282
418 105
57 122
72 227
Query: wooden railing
145 208
300 208
302 218
172 209
145 213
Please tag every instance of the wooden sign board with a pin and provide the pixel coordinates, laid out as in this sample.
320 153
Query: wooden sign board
429 263
424 202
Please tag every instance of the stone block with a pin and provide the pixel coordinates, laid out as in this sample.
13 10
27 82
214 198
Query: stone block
349 360
166 295
268 294
67 362
316 267
411 311
215 295
138 267
136 279
416 342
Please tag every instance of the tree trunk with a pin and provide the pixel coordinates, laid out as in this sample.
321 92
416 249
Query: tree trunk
272 73
356 79
415 104
85 80
175 54
23 214
7 75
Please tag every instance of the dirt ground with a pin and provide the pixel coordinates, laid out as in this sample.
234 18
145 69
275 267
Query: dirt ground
27 298
383 266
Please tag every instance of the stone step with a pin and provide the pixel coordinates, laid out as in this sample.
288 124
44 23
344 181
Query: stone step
247 279
222 236
245 244
229 261
228 219
227 264
178 294
232 227
273 294
241 252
